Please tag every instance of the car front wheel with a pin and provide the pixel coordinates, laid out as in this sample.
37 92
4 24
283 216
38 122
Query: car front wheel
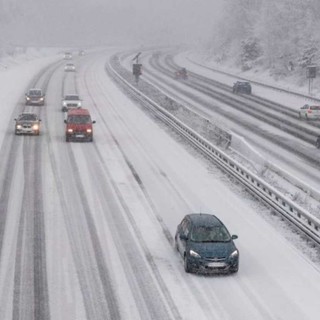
186 263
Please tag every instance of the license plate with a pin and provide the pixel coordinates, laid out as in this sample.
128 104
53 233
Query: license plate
216 264
79 136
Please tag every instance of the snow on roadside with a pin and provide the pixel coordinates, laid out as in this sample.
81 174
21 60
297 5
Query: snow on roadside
282 180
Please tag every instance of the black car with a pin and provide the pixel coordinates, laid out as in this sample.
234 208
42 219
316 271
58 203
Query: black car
242 87
206 245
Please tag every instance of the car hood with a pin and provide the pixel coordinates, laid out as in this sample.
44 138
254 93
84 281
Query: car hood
26 121
213 249
80 127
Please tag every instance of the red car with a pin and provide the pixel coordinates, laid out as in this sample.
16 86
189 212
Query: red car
79 125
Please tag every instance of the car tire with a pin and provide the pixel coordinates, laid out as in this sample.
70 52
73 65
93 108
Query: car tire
307 118
186 264
67 139
300 115
234 270
176 243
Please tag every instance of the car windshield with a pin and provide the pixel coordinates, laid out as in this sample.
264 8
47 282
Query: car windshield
210 234
28 117
79 119
35 93
74 97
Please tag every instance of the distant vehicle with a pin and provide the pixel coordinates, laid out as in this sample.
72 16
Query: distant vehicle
71 101
318 142
206 245
309 112
242 87
35 96
67 56
81 53
27 123
181 74
69 67
79 125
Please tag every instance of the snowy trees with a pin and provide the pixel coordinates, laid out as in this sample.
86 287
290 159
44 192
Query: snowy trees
280 34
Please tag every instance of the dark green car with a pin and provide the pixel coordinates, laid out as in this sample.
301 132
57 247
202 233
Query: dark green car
206 245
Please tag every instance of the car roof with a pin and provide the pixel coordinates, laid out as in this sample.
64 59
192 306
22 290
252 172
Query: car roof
80 111
35 89
204 219
71 95
26 113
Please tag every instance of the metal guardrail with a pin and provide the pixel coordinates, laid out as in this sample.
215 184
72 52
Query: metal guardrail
301 218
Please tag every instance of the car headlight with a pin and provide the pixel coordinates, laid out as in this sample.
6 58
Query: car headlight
70 130
89 130
64 104
19 126
194 254
35 127
27 98
41 99
234 254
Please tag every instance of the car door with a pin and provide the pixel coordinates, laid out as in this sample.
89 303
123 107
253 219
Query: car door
303 111
183 235
316 111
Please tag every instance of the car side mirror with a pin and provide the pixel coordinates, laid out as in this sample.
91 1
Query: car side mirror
65 121
183 237
94 121
233 237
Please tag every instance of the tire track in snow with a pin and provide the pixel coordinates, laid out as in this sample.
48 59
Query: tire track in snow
154 308
31 299
96 285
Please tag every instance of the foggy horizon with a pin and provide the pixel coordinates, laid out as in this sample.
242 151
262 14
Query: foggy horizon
103 22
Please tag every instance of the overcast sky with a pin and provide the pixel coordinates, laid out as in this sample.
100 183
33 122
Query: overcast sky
104 21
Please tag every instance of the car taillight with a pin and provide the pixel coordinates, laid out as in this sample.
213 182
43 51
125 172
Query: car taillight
309 111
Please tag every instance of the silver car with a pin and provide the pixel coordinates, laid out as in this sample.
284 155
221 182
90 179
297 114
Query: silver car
69 67
71 101
309 112
27 123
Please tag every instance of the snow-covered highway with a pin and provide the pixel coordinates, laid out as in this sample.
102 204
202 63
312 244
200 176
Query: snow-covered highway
87 228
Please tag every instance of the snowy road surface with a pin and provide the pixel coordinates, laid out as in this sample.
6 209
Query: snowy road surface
86 229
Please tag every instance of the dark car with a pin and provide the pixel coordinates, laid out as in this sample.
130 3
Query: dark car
181 74
35 96
206 245
27 123
242 87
